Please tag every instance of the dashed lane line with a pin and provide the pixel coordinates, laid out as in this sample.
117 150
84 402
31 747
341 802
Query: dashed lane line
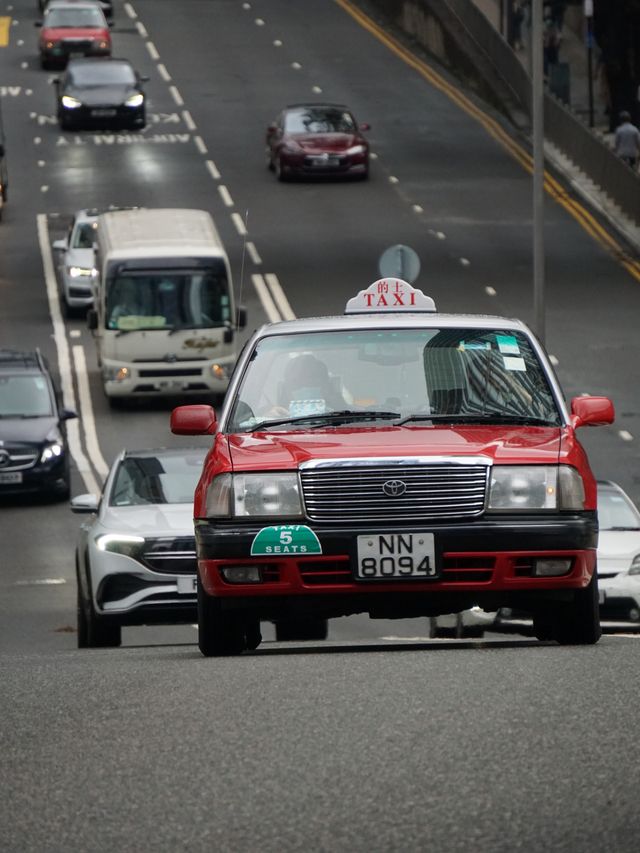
153 51
177 97
278 296
238 221
265 298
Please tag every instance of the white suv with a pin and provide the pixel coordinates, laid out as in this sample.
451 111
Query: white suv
76 266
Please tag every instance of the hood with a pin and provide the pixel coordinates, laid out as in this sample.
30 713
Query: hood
84 258
95 96
498 443
616 549
23 431
152 520
158 344
317 143
82 33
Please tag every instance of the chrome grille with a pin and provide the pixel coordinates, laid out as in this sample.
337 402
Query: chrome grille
354 492
18 460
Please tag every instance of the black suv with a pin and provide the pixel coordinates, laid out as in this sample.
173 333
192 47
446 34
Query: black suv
34 456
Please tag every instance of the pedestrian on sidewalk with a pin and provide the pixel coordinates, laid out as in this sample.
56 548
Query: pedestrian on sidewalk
551 39
627 140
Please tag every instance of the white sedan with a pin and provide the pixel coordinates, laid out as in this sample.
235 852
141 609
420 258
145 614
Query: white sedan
135 557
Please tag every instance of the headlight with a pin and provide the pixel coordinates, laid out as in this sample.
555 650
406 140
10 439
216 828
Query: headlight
81 272
51 451
135 100
634 568
117 543
532 487
356 149
255 495
115 374
70 103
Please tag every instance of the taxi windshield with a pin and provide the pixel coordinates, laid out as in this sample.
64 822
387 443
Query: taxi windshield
410 375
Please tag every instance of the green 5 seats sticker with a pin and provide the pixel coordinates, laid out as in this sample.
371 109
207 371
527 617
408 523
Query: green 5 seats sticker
286 539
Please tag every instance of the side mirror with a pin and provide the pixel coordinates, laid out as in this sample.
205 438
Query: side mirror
193 420
227 335
591 411
85 503
92 319
68 415
365 126
241 317
59 245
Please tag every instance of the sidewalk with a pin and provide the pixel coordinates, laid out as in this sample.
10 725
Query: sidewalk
573 50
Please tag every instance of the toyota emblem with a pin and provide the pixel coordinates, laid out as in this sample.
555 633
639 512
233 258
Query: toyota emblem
394 488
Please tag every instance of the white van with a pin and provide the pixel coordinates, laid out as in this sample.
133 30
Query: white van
164 317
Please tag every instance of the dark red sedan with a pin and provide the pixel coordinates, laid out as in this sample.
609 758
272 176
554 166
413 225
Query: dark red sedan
317 139
72 29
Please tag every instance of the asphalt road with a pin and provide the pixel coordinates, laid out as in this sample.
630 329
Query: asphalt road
378 739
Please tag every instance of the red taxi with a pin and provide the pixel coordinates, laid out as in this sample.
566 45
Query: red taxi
398 462
72 29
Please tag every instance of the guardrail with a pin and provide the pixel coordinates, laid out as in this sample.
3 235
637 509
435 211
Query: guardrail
458 34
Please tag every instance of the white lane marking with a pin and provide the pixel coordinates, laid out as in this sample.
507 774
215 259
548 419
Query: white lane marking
253 253
406 639
131 12
278 295
37 140
277 43
259 22
225 196
441 235
417 208
465 262
316 90
64 362
75 333
239 223
211 166
41 582
86 411
162 71
199 141
246 6
41 163
24 65
186 116
296 66
153 50
393 179
177 97
554 361
265 298
491 291
44 189
625 435
142 29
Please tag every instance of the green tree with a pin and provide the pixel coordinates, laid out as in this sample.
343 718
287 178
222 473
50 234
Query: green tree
616 28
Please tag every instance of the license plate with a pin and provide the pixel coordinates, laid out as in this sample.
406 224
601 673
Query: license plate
76 54
11 477
325 161
396 556
103 113
170 385
187 585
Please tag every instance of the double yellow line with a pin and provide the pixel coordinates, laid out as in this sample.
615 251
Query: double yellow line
551 185
5 29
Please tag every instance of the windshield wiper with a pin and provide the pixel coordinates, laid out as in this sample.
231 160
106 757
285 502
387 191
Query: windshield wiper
486 417
343 416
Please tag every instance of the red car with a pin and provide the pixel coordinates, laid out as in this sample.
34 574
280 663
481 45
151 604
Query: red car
312 140
397 462
70 30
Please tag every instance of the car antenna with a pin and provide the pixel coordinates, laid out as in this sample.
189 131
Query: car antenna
244 252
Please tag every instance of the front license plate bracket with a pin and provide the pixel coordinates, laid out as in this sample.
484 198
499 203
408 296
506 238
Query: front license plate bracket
396 556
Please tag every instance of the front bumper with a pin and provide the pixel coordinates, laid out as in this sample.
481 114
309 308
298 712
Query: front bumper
78 292
332 165
99 117
42 477
157 379
61 52
487 563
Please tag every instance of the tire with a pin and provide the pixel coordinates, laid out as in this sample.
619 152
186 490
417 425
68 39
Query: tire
219 633
301 629
278 169
93 631
573 624
433 628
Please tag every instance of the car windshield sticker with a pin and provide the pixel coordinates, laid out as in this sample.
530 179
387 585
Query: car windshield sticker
511 363
467 345
300 408
285 539
508 345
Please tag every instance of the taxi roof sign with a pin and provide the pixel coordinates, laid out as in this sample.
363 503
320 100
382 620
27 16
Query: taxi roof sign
390 296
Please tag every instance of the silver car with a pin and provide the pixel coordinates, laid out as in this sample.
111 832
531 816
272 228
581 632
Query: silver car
135 556
618 556
76 263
